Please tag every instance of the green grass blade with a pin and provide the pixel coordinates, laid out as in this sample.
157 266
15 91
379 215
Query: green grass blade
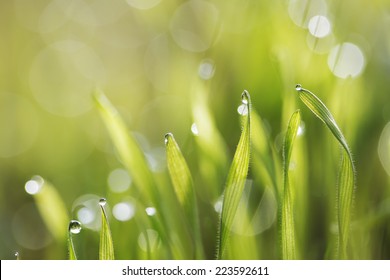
236 179
74 228
128 149
106 248
288 229
184 188
346 182
52 208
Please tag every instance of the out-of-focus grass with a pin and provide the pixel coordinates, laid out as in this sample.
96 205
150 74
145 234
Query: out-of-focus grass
56 52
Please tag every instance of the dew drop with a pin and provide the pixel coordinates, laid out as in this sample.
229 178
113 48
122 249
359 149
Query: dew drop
17 255
245 97
243 109
166 137
102 201
298 87
194 129
74 226
150 211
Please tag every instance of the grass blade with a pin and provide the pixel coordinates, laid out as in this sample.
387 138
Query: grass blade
128 149
346 182
236 179
74 228
51 207
106 248
288 230
184 189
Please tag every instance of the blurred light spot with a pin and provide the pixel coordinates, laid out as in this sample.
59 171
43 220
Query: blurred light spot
346 60
218 205
150 211
62 76
143 4
206 69
194 25
34 185
301 11
319 26
149 241
258 218
384 148
243 109
119 180
123 211
29 230
194 129
86 215
301 129
156 159
292 166
19 125
88 210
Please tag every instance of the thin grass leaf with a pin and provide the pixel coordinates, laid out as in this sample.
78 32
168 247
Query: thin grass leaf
184 188
128 149
211 146
71 251
346 181
106 248
52 208
236 179
74 228
288 228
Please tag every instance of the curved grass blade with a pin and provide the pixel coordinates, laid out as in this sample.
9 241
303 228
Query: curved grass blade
74 228
128 149
346 182
184 189
51 207
236 179
106 248
288 229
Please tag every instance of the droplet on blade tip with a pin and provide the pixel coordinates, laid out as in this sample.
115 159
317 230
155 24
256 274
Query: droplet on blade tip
166 137
298 87
245 97
74 226
102 201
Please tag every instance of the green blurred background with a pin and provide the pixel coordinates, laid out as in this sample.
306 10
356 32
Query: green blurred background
147 56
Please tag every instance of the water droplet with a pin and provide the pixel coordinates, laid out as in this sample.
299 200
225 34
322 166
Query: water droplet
102 201
17 255
298 87
150 211
166 137
194 129
301 129
243 109
245 97
74 226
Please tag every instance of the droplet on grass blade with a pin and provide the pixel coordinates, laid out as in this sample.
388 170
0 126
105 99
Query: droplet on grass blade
166 138
102 201
150 211
298 87
17 256
74 227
